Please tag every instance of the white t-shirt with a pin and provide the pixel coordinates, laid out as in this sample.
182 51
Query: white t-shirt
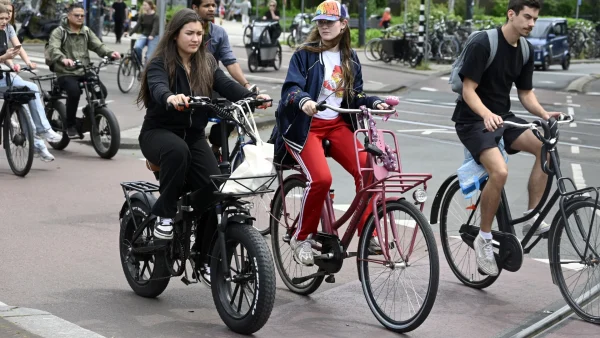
332 91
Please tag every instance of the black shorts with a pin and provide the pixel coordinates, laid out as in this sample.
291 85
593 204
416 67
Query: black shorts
475 140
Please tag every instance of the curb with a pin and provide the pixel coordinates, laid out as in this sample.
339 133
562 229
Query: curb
577 85
42 323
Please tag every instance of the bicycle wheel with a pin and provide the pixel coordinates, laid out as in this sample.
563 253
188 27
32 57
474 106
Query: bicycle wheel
106 134
448 49
148 275
127 74
252 278
407 250
283 226
568 263
18 139
56 112
247 37
463 212
372 49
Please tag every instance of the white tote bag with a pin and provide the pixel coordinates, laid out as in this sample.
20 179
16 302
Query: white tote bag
258 161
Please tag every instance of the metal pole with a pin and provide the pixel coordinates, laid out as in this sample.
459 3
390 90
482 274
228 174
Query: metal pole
577 11
421 26
469 15
428 16
256 10
362 22
162 16
302 7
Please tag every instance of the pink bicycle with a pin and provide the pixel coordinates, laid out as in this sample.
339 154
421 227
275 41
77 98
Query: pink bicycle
408 248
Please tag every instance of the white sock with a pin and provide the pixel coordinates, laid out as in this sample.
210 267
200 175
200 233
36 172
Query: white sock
485 235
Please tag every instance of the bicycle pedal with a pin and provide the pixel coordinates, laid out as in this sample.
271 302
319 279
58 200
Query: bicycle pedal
187 281
330 279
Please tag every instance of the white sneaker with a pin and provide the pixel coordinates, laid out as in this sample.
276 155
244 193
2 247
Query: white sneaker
163 229
303 252
484 251
43 154
51 136
544 227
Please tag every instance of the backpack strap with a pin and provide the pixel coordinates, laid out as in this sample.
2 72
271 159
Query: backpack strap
524 50
493 38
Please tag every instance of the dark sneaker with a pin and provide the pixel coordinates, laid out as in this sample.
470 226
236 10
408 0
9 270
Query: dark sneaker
72 132
163 230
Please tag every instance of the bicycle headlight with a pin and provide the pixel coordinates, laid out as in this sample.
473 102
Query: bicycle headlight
420 195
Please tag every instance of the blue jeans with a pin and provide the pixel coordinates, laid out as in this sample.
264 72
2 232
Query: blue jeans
36 111
141 42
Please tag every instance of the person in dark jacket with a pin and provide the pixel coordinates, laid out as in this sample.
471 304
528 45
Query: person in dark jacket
326 68
175 139
147 27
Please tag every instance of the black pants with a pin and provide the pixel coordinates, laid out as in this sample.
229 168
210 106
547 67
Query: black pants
71 85
214 137
119 24
180 161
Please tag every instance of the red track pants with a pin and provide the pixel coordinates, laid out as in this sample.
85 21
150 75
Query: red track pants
314 165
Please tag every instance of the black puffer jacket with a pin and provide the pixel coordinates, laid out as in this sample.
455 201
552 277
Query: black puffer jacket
157 115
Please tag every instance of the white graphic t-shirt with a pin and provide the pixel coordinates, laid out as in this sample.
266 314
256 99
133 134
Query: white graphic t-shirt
332 91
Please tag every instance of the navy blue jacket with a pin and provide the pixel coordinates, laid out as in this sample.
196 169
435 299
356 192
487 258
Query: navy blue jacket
304 82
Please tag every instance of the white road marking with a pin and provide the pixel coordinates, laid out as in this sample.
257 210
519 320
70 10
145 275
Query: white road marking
418 100
575 149
574 138
578 176
571 266
426 131
549 82
427 89
593 93
107 102
375 82
568 104
445 78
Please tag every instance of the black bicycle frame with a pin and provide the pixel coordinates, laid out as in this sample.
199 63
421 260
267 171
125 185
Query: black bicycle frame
561 192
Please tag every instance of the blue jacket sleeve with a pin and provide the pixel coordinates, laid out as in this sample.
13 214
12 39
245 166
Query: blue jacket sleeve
225 52
293 95
360 98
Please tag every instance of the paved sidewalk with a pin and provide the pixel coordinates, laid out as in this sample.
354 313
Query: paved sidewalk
31 323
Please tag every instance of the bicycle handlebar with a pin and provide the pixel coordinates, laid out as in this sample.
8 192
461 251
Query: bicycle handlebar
563 118
390 101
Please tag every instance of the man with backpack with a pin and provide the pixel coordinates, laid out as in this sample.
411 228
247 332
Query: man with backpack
483 75
69 42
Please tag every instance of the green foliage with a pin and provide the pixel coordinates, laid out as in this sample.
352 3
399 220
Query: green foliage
171 11
500 8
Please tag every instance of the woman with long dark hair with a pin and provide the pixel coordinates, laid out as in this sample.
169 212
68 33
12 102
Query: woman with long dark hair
175 140
324 68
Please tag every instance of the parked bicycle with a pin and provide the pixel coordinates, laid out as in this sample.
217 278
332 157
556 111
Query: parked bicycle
97 119
211 229
130 66
569 234
401 249
16 125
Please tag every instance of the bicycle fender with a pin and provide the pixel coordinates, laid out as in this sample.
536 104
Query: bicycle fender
437 201
553 226
138 196
240 218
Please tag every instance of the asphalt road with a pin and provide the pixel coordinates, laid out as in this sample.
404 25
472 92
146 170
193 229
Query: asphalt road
59 246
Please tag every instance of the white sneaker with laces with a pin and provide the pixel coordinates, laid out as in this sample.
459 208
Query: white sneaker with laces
43 154
51 136
163 229
484 252
544 227
303 252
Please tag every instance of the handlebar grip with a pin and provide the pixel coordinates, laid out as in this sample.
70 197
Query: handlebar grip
321 106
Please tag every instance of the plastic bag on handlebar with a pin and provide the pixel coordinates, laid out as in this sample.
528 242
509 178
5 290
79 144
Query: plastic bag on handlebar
471 175
258 161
